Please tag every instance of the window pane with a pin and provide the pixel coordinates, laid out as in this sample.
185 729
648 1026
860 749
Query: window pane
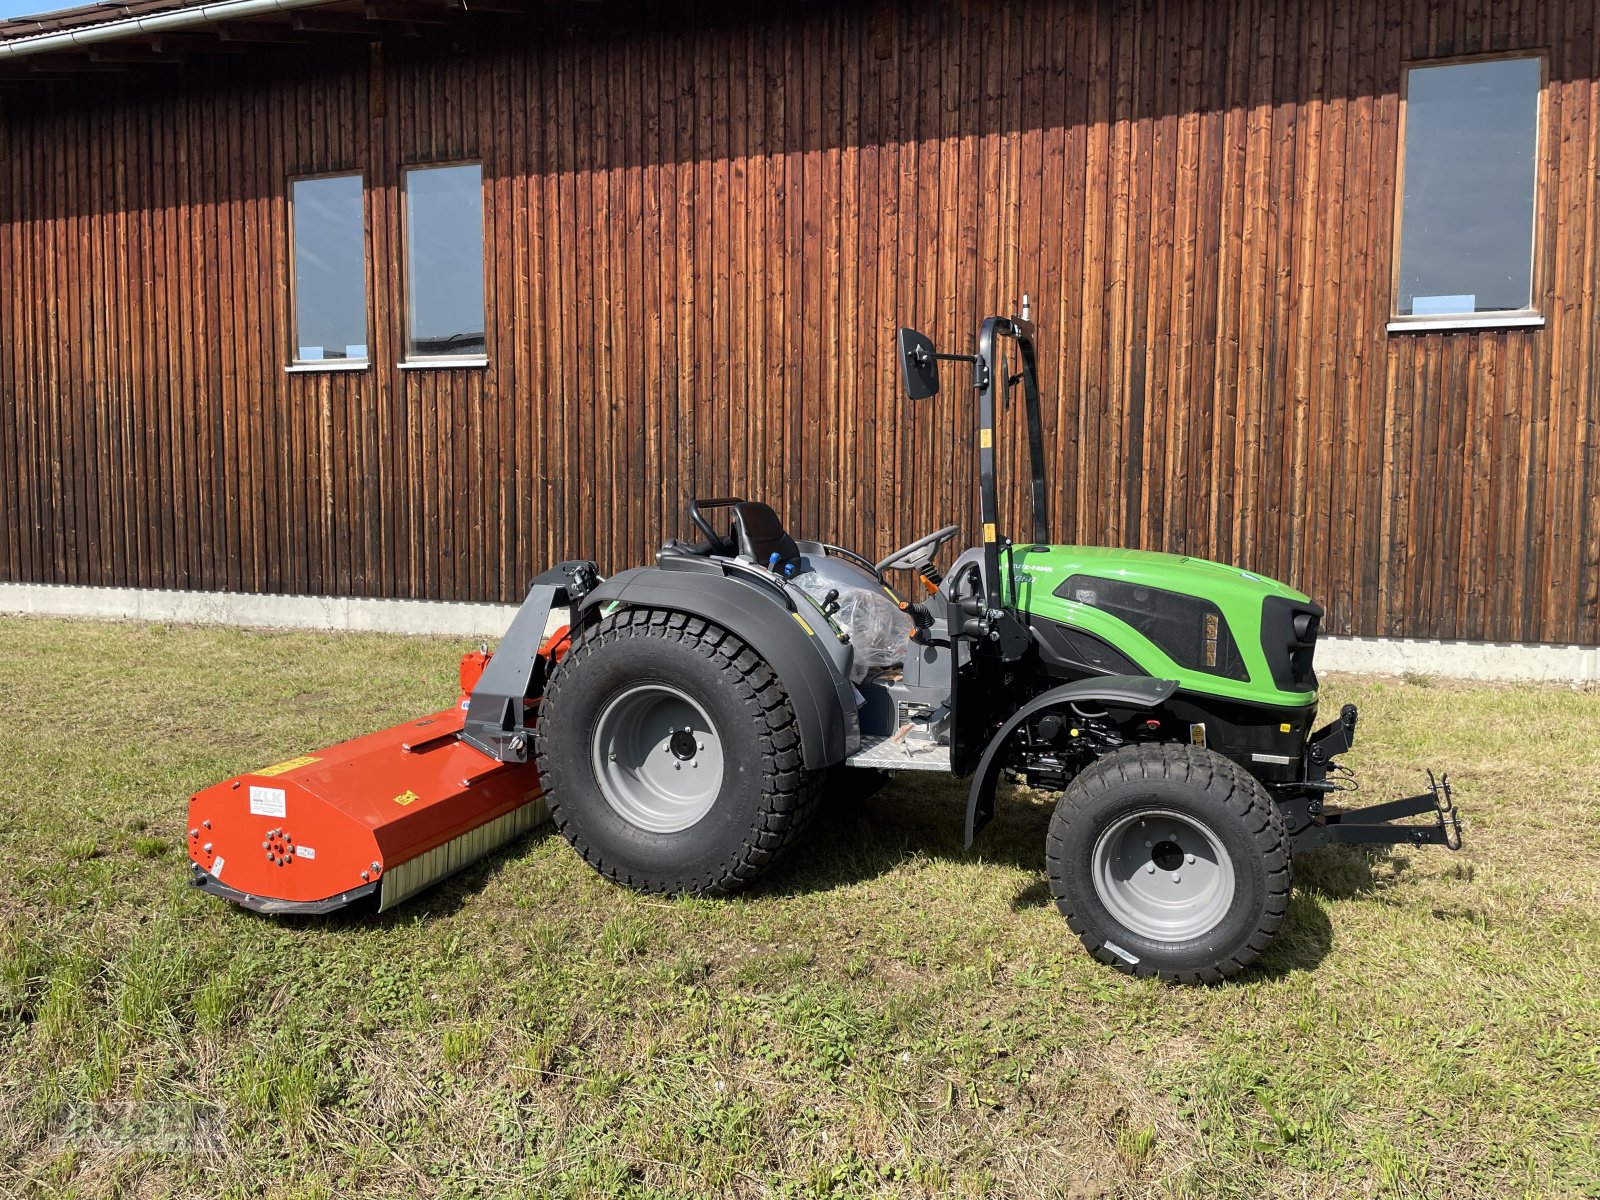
444 253
330 269
1466 222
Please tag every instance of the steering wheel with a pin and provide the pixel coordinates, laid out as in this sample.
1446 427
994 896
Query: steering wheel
915 555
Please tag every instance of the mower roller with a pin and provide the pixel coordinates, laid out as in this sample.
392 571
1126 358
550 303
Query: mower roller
681 723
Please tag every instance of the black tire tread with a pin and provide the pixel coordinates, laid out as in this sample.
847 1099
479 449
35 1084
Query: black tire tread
790 793
1227 783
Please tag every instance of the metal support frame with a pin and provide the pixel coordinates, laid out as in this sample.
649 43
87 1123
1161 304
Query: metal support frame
1327 743
515 674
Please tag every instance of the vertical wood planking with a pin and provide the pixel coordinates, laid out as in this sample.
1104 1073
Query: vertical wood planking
700 236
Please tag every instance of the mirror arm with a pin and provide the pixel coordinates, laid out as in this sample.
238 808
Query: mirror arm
980 370
922 356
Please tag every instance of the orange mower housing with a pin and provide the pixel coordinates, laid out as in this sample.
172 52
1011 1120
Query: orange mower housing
381 815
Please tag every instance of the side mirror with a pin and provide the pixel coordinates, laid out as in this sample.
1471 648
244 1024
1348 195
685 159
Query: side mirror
919 371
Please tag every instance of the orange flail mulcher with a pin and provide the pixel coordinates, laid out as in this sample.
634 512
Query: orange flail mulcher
389 813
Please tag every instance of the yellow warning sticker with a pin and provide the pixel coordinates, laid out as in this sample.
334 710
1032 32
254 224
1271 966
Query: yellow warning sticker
811 632
283 768
986 438
988 531
406 797
1284 728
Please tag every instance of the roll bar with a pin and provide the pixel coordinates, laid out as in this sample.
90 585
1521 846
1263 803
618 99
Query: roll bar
989 379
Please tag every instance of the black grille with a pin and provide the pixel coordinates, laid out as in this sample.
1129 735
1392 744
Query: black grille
1289 631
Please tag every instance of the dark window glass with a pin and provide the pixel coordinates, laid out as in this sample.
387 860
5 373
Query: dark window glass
1466 219
444 257
330 270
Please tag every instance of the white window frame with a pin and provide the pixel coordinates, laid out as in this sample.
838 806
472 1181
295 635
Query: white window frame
297 365
1529 318
434 362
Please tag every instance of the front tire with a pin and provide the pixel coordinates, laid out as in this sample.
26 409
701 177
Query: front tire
1170 861
670 755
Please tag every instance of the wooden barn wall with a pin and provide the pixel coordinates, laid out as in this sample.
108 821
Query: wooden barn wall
700 239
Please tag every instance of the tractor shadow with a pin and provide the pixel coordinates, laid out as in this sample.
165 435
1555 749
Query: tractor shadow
862 834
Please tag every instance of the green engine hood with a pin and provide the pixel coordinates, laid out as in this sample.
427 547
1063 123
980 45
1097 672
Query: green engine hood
1042 572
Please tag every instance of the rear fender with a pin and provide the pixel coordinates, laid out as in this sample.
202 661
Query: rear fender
1128 692
789 639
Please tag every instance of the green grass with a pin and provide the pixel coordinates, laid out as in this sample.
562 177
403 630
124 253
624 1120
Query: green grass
887 1014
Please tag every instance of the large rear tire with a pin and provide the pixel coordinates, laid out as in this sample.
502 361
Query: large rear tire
670 755
1170 861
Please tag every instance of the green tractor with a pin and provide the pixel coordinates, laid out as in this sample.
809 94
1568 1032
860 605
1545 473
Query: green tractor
704 703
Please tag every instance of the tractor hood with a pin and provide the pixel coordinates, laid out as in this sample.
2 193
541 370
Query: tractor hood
1217 629
1174 572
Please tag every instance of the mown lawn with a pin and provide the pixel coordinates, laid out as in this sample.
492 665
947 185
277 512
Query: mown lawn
887 1015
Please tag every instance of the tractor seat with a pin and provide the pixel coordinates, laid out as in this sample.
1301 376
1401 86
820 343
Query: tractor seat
759 534
756 532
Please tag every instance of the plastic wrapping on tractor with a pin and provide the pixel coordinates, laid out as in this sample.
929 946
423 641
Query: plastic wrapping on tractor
879 631
387 814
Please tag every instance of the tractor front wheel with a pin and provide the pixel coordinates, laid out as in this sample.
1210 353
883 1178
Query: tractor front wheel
1170 861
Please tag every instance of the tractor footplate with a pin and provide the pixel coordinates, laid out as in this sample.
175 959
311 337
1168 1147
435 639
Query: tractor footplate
1373 825
904 754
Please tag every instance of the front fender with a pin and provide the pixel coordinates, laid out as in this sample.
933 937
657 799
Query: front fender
822 697
1139 692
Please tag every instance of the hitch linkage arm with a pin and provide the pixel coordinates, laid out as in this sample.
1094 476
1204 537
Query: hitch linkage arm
1371 825
1312 824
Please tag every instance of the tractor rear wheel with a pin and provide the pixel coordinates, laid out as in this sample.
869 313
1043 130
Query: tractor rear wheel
670 755
1170 861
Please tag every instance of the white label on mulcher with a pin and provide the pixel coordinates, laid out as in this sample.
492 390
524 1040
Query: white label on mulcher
304 852
267 802
216 868
1122 954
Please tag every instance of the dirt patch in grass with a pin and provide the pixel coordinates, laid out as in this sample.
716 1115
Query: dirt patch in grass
888 1014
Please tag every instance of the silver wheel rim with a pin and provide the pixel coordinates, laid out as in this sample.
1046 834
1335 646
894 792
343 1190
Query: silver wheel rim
657 758
1163 875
